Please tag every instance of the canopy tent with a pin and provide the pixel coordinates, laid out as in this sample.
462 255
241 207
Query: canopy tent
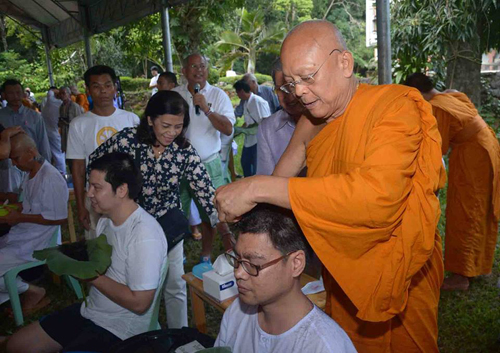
64 22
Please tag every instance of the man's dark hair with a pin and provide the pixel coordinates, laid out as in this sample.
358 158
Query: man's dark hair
420 81
163 102
279 224
155 68
99 70
169 76
120 169
242 85
277 67
52 87
11 82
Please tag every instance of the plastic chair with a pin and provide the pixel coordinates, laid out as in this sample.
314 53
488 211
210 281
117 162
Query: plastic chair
11 284
154 324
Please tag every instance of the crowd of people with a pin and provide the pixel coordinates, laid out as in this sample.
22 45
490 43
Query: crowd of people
344 171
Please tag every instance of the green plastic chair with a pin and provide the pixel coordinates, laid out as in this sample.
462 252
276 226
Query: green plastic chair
154 324
11 284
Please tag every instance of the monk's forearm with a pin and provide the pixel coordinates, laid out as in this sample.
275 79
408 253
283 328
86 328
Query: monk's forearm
272 190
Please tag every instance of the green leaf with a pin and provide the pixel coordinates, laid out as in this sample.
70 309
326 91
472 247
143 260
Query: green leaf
99 252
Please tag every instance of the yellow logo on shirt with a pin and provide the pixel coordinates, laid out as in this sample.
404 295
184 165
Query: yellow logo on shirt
104 134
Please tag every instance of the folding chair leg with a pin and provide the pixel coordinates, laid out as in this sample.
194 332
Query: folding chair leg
11 285
75 285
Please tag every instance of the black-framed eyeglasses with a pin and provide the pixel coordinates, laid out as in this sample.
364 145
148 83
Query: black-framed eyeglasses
250 268
289 87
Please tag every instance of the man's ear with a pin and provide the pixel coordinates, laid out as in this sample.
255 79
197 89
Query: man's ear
347 63
122 191
298 262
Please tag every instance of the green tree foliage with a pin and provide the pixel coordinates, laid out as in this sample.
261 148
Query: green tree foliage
447 37
293 12
253 38
349 17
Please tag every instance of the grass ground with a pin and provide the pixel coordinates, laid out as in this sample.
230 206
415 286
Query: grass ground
468 322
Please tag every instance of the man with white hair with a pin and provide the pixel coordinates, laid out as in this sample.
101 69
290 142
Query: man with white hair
265 92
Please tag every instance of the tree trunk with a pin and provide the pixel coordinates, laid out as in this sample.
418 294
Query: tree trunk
3 33
463 71
251 61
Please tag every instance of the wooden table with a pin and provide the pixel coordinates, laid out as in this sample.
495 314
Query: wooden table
198 296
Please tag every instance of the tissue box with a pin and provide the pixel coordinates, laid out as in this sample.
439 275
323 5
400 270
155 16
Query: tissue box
220 287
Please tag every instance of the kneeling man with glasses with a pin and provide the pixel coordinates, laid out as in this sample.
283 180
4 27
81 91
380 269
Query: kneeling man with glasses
271 313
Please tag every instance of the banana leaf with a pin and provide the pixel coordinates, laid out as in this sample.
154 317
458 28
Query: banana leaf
4 209
99 254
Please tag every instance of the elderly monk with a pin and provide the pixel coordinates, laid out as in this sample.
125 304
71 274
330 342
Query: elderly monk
473 200
368 205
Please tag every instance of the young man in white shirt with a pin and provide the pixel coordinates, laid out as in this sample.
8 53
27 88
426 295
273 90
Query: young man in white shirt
89 130
120 301
271 313
211 114
255 109
154 80
44 207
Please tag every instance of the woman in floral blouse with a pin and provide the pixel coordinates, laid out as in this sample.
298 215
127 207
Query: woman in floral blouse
165 158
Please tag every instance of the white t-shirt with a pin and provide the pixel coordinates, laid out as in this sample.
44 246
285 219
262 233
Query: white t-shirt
154 81
88 131
315 333
255 110
204 137
139 254
45 194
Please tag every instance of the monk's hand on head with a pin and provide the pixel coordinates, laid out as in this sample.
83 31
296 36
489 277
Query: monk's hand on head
235 199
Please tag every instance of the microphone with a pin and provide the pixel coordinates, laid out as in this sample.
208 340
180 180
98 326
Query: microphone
196 90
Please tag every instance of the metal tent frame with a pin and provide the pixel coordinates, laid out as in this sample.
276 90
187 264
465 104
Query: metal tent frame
64 22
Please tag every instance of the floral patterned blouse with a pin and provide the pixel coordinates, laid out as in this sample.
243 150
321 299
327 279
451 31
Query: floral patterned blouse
161 176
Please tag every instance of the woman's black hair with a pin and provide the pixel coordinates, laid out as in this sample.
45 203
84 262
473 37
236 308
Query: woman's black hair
163 102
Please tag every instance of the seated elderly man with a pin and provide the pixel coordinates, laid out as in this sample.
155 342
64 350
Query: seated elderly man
272 314
119 302
44 206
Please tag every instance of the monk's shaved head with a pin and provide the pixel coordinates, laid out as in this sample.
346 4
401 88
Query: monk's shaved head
21 142
317 32
318 69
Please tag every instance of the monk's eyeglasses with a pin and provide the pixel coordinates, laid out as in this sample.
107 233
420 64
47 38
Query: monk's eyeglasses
289 87
250 268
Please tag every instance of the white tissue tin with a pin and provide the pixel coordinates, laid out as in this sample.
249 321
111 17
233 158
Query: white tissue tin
220 287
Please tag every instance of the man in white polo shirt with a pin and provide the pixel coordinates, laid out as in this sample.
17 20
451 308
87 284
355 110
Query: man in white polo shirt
88 131
211 114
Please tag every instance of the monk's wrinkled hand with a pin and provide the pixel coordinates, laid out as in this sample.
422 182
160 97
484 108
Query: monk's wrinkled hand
235 199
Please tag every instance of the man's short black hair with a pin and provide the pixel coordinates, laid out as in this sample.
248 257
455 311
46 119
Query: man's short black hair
420 81
11 82
279 224
120 169
155 68
169 76
242 85
99 70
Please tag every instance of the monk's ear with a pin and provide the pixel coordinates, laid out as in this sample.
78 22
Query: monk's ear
347 63
298 262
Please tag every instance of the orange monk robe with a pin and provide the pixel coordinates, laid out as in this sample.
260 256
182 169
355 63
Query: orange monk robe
81 100
473 200
369 210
